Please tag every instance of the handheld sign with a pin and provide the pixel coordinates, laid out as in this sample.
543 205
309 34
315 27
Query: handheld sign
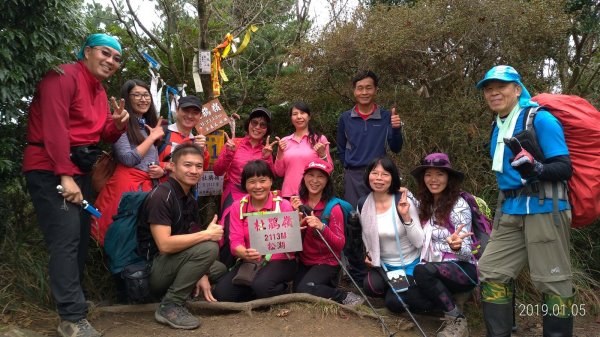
275 232
213 117
210 184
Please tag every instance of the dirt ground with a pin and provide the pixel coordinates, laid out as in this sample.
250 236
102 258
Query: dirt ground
295 319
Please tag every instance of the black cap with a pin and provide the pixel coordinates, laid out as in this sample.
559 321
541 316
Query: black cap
260 110
188 101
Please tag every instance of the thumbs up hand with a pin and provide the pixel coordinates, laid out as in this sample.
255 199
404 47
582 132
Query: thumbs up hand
396 122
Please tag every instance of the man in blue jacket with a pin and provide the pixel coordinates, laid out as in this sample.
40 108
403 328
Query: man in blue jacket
362 134
532 225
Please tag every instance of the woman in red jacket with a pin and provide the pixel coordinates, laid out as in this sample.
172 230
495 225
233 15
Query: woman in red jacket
318 269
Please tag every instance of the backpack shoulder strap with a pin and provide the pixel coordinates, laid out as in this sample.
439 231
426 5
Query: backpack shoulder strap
361 203
528 119
166 139
327 211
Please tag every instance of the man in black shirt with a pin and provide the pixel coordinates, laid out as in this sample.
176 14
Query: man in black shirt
184 260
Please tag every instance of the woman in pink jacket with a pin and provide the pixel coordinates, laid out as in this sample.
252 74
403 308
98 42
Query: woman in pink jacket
232 159
318 268
299 149
277 269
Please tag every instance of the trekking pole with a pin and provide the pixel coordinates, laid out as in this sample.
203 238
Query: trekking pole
387 280
307 210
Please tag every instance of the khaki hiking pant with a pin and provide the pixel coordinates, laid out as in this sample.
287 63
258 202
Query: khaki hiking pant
535 240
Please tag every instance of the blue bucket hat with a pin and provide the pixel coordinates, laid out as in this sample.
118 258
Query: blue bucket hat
507 74
94 40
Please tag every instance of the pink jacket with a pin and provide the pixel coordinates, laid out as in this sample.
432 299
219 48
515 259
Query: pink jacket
314 251
238 228
231 164
291 163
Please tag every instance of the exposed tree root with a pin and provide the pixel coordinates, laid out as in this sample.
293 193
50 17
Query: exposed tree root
247 307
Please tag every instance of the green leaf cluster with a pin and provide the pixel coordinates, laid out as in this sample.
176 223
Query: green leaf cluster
35 36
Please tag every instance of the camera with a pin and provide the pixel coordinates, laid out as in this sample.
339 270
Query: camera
152 163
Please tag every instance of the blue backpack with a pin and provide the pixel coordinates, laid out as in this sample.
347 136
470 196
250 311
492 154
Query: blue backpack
346 209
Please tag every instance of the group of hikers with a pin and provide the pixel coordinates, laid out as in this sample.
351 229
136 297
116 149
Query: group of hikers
424 238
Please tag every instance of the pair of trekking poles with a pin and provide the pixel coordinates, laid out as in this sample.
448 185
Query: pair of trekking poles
307 211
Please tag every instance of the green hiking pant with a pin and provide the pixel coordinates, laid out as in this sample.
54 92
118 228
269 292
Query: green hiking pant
534 240
175 275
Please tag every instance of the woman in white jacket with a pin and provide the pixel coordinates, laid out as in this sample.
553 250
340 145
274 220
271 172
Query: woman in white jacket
448 266
391 232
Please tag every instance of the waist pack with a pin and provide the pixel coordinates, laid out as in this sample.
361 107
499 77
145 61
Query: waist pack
246 273
137 282
85 156
581 126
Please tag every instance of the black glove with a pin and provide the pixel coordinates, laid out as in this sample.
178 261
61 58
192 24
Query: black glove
526 165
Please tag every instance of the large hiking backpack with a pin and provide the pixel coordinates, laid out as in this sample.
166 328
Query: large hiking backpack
120 242
120 245
481 226
581 126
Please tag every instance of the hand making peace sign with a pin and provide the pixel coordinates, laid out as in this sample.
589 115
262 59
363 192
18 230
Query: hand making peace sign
120 116
455 240
229 143
268 149
157 132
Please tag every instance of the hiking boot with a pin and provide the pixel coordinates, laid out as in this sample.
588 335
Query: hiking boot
454 327
352 299
81 328
177 316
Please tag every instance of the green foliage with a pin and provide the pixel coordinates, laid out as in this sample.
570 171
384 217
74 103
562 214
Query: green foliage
429 57
35 36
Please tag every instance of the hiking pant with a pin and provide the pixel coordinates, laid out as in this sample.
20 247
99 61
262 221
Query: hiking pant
175 275
535 240
271 280
354 185
66 229
439 280
319 280
354 250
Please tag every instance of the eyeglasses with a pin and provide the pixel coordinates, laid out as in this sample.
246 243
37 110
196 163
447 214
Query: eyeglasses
255 123
435 162
138 96
108 54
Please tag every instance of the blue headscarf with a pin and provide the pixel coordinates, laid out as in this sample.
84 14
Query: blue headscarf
508 74
94 40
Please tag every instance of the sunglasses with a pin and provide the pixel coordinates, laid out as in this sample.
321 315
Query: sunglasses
108 54
435 162
254 123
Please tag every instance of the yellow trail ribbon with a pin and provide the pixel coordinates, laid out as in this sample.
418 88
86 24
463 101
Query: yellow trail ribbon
249 31
228 39
214 72
215 68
